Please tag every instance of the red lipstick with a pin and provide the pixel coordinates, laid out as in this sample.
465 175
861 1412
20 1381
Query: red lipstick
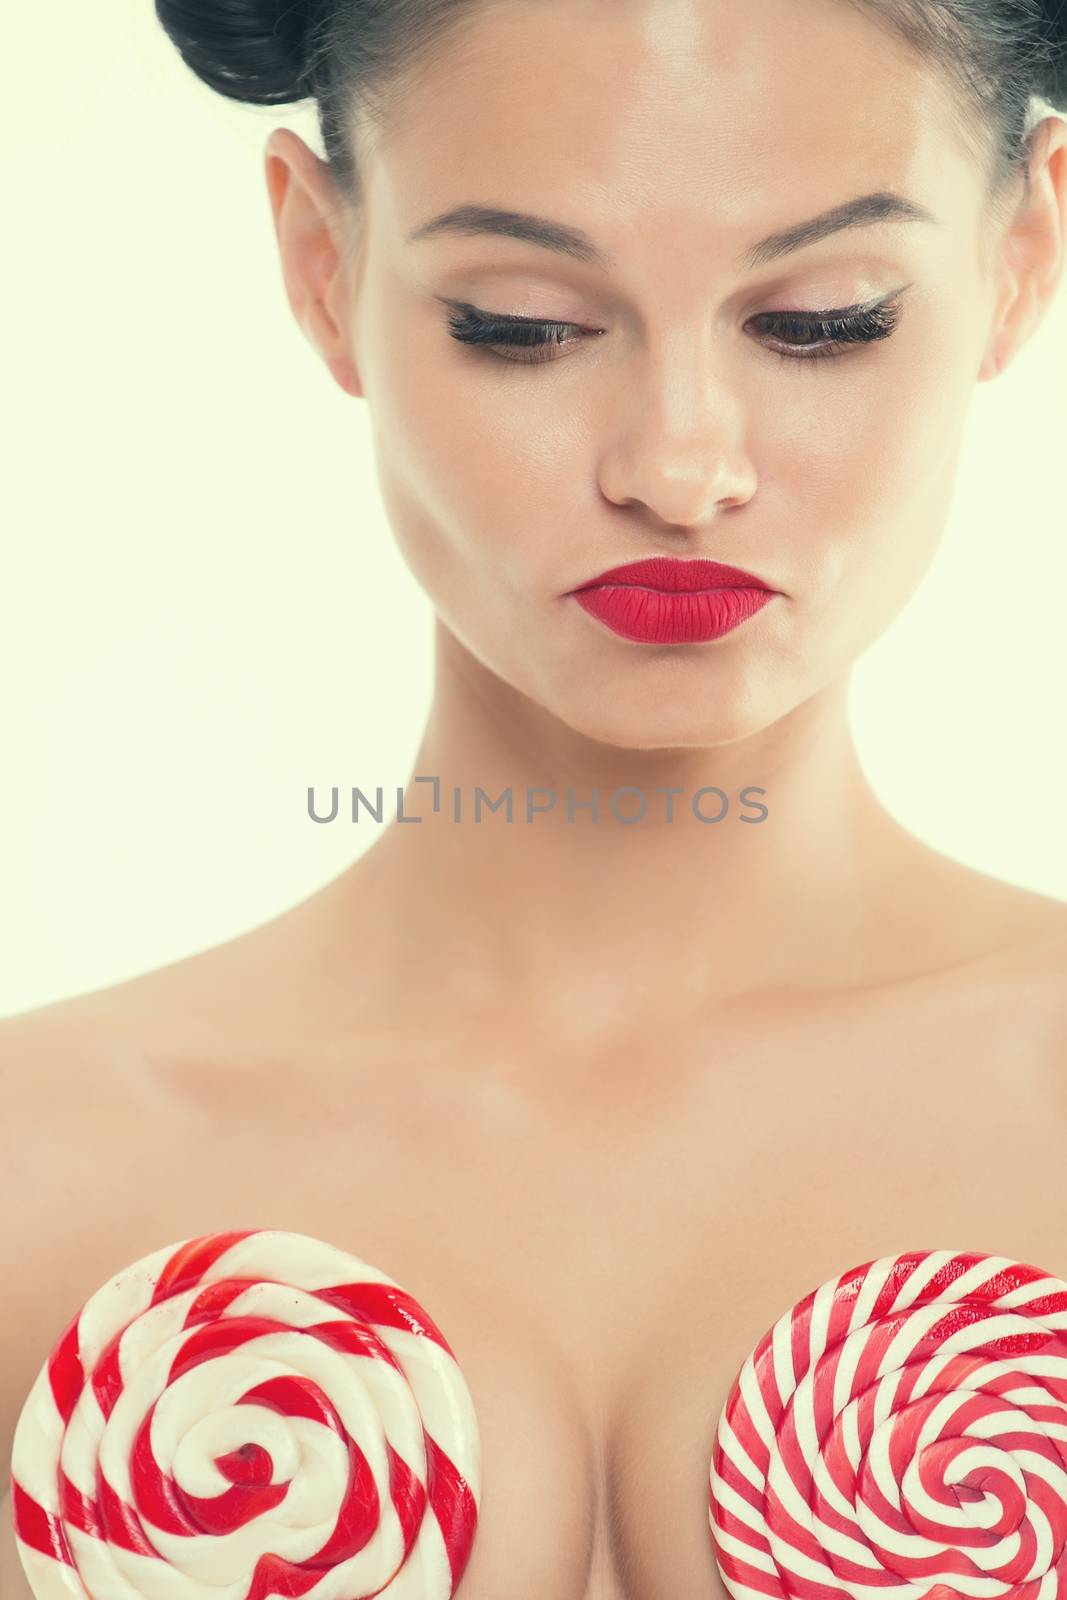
667 601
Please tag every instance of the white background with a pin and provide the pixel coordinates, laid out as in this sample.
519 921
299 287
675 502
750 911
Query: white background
202 609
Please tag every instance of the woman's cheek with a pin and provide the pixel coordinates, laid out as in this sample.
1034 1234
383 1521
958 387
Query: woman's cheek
867 446
857 474
458 501
493 470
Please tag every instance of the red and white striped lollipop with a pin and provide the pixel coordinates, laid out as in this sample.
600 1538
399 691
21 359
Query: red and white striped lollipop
244 1415
901 1433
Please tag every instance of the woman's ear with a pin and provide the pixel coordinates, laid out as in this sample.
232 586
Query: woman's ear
1031 251
313 227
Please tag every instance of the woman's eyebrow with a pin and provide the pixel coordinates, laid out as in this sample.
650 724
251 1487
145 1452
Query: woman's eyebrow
883 205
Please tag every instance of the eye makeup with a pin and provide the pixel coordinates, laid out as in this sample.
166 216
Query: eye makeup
795 335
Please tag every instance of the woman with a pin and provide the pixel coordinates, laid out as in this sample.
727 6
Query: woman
609 1089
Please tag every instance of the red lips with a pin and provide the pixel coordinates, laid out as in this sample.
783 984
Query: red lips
666 601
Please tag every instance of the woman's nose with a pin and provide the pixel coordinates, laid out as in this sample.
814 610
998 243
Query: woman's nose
676 440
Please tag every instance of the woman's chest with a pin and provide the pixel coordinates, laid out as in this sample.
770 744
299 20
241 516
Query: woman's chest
600 1264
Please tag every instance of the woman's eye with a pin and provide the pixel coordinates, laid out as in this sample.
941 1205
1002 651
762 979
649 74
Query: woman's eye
795 335
530 338
808 336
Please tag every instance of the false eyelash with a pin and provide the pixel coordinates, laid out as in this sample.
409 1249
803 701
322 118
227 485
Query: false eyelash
835 330
472 326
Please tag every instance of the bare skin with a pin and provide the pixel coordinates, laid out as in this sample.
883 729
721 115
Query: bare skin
608 1099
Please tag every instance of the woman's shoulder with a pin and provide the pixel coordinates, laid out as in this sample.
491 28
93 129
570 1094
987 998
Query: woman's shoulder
1016 980
1034 966
212 1005
1023 924
991 971
964 919
61 1065
288 984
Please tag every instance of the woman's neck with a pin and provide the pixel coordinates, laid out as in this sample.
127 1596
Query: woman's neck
575 918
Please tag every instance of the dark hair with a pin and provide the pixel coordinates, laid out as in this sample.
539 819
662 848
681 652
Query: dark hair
350 56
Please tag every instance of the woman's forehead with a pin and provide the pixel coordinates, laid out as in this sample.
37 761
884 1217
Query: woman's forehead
666 109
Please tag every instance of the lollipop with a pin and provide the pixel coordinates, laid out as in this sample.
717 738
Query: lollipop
244 1415
901 1432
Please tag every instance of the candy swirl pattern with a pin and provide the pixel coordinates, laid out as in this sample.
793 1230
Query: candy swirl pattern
243 1415
901 1433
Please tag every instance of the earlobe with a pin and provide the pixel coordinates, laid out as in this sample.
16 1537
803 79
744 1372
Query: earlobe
1004 339
345 374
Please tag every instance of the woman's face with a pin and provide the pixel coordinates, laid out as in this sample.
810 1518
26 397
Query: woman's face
675 135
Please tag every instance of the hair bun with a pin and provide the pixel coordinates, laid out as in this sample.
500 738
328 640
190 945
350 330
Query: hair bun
251 50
